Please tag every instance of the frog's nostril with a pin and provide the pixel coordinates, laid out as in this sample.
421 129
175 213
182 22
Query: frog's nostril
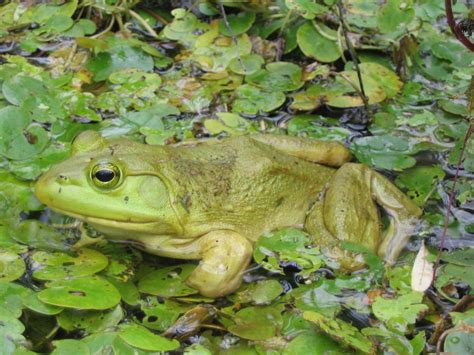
62 179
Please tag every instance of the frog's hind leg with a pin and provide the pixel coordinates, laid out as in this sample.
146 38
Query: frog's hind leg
224 256
348 212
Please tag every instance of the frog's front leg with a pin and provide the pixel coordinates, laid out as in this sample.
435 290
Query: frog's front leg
224 256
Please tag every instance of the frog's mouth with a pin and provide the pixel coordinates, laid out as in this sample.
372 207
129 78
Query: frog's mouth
118 223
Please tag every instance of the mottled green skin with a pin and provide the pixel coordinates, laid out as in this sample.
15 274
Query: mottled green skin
210 200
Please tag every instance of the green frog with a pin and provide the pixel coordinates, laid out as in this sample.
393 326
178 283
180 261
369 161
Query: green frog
210 200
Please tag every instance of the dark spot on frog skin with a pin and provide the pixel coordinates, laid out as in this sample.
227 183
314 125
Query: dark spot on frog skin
126 199
60 190
185 202
280 201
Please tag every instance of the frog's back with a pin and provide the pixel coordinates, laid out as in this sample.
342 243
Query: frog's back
240 184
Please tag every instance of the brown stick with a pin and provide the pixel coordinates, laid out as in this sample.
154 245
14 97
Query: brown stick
455 28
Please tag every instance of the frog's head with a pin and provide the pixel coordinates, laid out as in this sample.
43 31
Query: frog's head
111 184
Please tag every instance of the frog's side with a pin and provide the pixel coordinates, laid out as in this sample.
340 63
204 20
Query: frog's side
210 200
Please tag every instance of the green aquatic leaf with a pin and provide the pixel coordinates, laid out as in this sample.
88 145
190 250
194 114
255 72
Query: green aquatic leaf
384 151
90 292
238 23
464 257
279 76
12 266
256 323
421 182
306 8
317 46
251 100
395 16
259 293
161 315
11 331
312 343
57 265
168 281
20 139
121 56
400 312
11 299
247 65
90 321
144 339
70 346
340 331
275 249
461 342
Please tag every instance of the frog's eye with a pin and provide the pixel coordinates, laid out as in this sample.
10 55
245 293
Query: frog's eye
105 175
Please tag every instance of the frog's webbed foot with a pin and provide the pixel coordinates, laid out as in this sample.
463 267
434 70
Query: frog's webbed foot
225 255
348 213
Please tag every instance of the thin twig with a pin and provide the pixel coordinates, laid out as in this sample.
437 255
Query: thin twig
232 35
109 27
355 58
455 27
450 201
145 24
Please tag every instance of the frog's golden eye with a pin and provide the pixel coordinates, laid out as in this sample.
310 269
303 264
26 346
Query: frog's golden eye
105 175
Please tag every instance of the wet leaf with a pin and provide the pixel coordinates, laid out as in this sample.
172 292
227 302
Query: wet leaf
317 46
144 339
168 282
238 23
280 76
396 15
340 331
421 182
89 321
57 265
259 293
252 100
90 292
70 346
12 266
400 312
256 323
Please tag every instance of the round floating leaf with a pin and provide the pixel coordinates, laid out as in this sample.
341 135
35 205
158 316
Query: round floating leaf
385 152
256 323
161 315
90 292
249 64
312 343
315 45
58 265
259 293
395 16
168 282
280 76
252 100
239 23
90 321
11 299
106 343
459 343
70 346
32 302
12 266
144 339
463 257
19 140
420 182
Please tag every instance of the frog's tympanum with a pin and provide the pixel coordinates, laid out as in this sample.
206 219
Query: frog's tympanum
210 200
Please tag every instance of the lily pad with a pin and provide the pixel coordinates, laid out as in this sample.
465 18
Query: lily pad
90 321
259 293
421 182
90 292
168 281
57 265
238 23
247 65
317 46
12 266
276 249
384 151
256 323
251 100
70 346
144 339
279 76
340 331
400 312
